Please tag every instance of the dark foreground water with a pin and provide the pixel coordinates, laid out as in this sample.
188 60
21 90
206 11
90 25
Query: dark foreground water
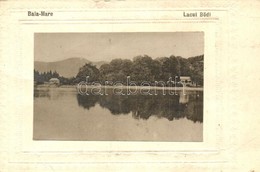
62 114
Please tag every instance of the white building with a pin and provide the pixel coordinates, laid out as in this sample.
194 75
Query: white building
186 80
54 81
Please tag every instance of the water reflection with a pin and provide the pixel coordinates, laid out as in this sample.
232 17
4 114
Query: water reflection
171 107
62 114
51 94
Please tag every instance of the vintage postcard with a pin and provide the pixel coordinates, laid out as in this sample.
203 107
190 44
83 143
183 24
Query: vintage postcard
129 86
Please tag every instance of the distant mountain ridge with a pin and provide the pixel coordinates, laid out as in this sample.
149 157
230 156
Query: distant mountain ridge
66 68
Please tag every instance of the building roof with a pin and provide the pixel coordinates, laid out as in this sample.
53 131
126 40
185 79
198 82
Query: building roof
54 79
185 77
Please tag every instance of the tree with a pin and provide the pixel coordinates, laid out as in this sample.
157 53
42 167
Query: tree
142 69
88 70
170 67
105 71
116 70
185 67
197 67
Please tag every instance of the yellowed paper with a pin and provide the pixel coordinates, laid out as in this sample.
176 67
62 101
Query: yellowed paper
230 119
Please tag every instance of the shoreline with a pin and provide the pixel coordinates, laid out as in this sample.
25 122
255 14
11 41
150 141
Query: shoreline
44 87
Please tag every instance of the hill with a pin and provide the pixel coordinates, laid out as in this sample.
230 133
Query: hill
67 68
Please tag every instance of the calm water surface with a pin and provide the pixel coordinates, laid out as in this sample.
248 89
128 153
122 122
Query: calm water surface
62 114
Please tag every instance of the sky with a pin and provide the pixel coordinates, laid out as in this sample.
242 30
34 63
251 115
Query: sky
49 47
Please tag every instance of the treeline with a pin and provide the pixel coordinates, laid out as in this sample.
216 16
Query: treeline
40 78
144 68
141 68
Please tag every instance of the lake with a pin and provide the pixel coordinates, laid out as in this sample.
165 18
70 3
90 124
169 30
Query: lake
63 114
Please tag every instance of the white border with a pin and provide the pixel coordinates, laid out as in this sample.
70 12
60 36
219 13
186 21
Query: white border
22 134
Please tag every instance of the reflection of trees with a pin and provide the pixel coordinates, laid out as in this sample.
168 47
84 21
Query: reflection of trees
194 109
87 101
50 93
41 93
160 106
145 106
116 104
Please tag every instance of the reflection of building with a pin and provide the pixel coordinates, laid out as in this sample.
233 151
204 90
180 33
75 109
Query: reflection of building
186 80
184 98
54 81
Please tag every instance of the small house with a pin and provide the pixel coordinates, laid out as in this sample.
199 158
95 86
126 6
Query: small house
186 80
54 81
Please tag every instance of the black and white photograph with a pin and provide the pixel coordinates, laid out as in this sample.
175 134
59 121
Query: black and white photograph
118 86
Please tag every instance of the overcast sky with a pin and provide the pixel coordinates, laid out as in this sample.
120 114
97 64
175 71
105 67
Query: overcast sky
107 46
